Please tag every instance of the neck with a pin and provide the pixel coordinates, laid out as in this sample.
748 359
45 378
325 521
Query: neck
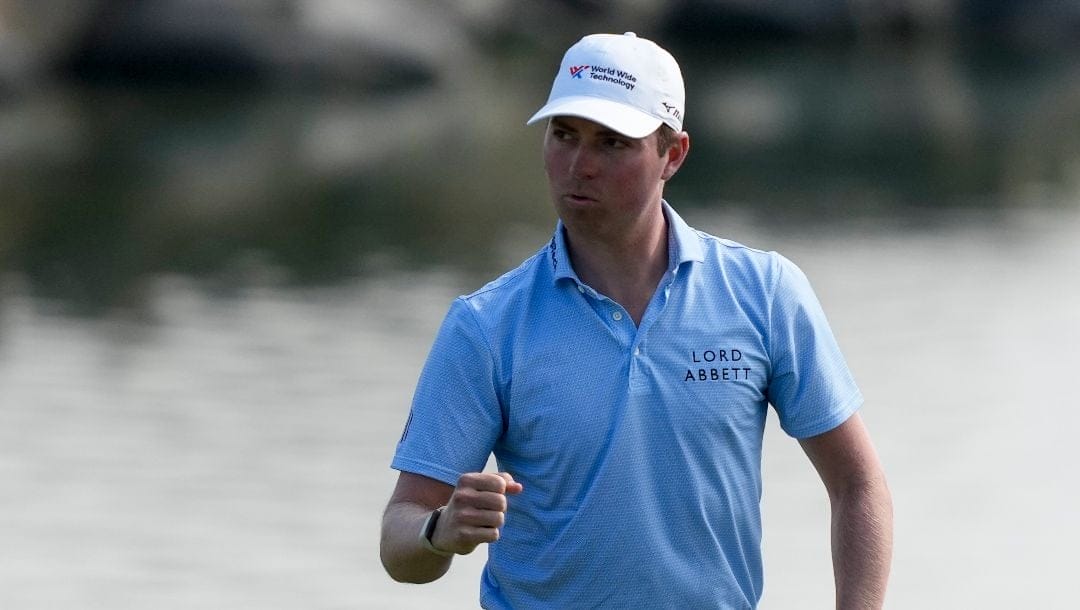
625 268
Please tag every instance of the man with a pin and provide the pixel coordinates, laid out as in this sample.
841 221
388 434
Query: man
621 377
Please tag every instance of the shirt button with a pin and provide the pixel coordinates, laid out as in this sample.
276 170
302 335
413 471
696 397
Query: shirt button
581 289
616 315
637 351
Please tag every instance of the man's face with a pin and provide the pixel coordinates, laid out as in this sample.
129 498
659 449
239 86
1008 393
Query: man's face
600 180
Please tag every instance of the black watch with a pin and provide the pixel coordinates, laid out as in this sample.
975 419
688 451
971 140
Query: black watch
428 530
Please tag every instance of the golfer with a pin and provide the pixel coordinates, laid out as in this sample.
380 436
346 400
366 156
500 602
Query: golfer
621 377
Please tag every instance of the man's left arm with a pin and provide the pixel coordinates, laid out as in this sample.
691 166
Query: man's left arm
862 515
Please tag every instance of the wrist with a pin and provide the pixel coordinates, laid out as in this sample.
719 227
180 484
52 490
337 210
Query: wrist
427 532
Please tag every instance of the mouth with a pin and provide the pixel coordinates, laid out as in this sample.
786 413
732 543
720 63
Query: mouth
579 199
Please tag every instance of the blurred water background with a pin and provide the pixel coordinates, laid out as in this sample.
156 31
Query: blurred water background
229 230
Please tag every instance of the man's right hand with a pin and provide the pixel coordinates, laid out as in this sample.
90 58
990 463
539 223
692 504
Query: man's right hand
475 512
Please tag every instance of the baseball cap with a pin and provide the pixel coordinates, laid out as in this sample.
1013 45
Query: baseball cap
626 83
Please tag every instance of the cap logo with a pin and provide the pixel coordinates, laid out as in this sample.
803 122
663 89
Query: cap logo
672 110
606 74
576 71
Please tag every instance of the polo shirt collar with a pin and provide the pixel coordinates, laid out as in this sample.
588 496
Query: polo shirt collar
684 245
686 241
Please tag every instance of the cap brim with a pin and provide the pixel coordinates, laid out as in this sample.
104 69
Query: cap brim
624 119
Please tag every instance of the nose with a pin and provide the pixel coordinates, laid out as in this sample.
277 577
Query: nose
584 163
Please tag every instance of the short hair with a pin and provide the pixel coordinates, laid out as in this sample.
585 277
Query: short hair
665 138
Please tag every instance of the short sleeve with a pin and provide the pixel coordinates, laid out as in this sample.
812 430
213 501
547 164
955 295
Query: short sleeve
811 387
456 416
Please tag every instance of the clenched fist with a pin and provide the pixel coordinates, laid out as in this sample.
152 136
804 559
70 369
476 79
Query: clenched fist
475 512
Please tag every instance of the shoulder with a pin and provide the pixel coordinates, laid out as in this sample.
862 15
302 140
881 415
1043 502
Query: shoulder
509 291
474 330
741 263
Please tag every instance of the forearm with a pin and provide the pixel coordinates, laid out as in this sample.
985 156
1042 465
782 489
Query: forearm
862 531
403 556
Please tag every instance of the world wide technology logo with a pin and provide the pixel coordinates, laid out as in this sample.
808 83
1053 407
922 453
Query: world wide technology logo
604 73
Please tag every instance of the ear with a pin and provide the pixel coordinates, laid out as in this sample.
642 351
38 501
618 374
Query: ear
676 154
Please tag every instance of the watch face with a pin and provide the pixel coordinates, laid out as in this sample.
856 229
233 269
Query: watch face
429 525
429 529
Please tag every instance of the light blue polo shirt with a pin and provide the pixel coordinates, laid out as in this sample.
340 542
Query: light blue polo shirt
639 448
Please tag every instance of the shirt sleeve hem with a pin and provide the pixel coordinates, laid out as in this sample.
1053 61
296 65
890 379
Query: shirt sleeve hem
850 406
426 469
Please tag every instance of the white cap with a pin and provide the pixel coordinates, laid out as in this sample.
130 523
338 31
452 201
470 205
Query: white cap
626 83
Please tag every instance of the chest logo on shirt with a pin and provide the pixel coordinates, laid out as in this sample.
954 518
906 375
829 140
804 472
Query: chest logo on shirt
717 365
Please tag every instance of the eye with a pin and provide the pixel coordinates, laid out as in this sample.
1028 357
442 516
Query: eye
614 142
560 134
